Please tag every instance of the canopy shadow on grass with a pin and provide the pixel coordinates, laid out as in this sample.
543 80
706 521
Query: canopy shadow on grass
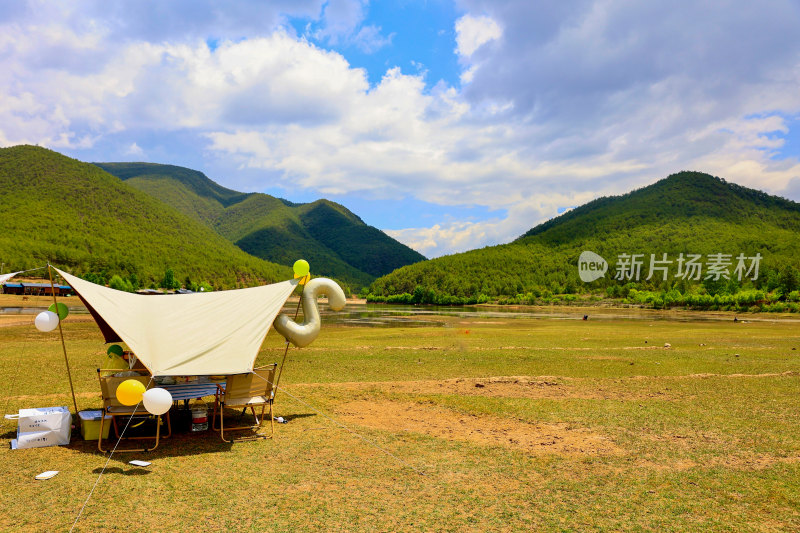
182 442
133 471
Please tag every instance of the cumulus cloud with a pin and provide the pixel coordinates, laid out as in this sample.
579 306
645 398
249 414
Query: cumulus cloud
134 150
558 104
272 80
792 190
342 23
342 17
460 236
473 32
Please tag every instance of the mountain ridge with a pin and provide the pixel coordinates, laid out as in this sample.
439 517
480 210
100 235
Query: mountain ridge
335 240
57 209
687 212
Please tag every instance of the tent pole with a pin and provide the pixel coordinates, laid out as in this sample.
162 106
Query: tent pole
286 351
61 331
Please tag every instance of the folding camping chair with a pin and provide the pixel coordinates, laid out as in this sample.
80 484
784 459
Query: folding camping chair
246 390
111 406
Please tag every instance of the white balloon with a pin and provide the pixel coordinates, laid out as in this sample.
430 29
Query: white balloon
157 401
46 321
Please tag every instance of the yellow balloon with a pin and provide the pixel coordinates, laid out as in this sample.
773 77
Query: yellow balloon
130 392
300 268
304 279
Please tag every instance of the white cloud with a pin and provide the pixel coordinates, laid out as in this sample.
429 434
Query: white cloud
370 39
272 80
473 32
460 236
342 18
134 150
559 104
342 23
792 190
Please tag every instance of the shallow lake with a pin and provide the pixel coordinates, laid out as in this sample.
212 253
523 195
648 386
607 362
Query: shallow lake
385 315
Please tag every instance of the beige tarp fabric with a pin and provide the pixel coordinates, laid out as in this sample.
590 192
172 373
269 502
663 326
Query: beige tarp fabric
189 334
6 277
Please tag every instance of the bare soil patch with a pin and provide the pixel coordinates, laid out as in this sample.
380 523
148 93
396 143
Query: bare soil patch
500 387
443 423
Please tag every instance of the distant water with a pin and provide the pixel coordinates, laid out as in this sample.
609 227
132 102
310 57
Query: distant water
384 315
36 310
387 316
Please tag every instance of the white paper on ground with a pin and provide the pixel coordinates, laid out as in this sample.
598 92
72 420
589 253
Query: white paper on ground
47 475
136 462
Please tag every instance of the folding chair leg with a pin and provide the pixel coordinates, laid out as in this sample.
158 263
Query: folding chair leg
169 428
259 418
100 437
158 433
157 437
222 422
214 415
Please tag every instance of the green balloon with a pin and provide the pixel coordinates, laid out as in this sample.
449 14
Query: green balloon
63 310
115 349
301 268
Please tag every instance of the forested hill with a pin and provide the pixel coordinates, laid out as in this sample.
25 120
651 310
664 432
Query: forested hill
335 241
79 217
688 212
693 196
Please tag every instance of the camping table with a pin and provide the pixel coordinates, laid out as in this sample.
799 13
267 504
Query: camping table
193 389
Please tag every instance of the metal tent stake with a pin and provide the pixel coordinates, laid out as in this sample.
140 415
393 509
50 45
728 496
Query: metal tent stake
61 331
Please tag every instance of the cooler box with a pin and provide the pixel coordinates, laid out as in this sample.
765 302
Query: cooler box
90 424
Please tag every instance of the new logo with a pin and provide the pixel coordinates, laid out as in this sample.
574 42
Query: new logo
591 266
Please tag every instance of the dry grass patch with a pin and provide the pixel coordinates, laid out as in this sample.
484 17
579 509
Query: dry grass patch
485 430
529 387
746 462
567 434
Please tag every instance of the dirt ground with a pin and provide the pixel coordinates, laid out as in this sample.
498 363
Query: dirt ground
497 386
535 439
426 418
487 430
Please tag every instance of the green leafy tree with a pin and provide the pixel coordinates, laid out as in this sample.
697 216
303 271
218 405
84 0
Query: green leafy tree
120 284
169 281
788 280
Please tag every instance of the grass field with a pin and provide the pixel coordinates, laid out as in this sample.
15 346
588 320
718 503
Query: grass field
467 425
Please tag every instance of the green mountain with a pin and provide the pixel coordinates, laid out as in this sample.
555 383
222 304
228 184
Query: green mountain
79 217
335 241
686 213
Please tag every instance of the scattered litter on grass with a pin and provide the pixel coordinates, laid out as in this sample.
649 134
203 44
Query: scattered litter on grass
137 462
47 475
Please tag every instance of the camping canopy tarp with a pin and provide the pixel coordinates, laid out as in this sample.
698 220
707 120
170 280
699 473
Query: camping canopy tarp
187 334
6 277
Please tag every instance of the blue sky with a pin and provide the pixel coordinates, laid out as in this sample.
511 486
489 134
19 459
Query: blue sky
415 36
451 125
